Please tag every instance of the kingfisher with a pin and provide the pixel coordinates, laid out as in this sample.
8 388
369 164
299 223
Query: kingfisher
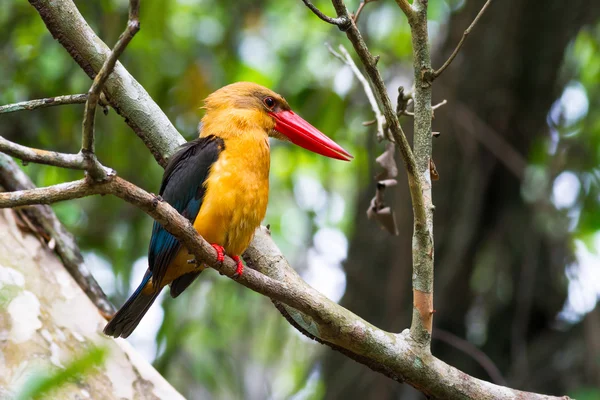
220 183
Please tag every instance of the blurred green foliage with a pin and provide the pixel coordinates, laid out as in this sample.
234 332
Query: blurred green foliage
586 394
571 153
42 384
218 339
580 134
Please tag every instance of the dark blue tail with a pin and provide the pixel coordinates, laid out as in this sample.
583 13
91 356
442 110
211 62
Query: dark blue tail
131 313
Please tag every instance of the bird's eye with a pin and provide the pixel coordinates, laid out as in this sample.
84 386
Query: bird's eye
269 102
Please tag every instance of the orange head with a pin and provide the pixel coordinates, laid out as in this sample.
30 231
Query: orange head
243 106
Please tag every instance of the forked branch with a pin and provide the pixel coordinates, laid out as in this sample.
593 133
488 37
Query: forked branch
341 22
416 162
89 114
28 154
406 8
393 124
345 57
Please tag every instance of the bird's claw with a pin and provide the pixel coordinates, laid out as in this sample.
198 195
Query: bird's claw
221 257
240 267
220 253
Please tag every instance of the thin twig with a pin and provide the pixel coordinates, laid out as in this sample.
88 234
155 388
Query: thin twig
335 53
360 8
56 159
491 140
433 108
370 64
28 154
124 93
347 59
43 103
13 178
87 142
462 41
472 351
342 23
403 101
440 104
406 8
524 304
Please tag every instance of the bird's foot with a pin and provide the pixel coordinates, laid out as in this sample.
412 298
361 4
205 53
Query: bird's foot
220 252
221 257
240 267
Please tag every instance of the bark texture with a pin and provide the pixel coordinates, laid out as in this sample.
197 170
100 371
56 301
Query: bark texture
46 321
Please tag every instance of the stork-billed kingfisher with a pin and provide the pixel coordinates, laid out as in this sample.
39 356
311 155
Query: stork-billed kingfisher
220 183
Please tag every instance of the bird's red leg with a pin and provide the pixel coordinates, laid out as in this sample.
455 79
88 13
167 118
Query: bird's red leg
221 257
240 267
220 252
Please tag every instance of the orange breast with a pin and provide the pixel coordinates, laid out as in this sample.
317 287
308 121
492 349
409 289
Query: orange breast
236 196
235 201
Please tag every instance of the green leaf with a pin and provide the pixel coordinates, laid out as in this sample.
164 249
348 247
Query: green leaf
42 383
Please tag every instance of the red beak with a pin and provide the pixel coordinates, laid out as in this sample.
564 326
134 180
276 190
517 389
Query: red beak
305 135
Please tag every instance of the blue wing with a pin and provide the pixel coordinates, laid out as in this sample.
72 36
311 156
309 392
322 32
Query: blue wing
183 188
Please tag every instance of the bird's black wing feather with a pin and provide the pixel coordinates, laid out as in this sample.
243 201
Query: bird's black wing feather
183 188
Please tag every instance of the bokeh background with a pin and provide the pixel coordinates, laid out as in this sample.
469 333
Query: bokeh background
517 206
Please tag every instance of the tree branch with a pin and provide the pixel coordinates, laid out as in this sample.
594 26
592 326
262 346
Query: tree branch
423 250
341 22
433 108
491 140
43 103
419 178
62 160
462 40
347 59
13 178
440 104
472 351
87 142
177 225
370 64
126 96
28 154
406 8
360 8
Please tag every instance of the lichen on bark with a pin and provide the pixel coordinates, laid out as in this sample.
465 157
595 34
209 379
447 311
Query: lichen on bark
46 322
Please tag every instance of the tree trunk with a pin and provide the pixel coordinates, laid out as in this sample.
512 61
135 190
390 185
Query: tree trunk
46 321
498 268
